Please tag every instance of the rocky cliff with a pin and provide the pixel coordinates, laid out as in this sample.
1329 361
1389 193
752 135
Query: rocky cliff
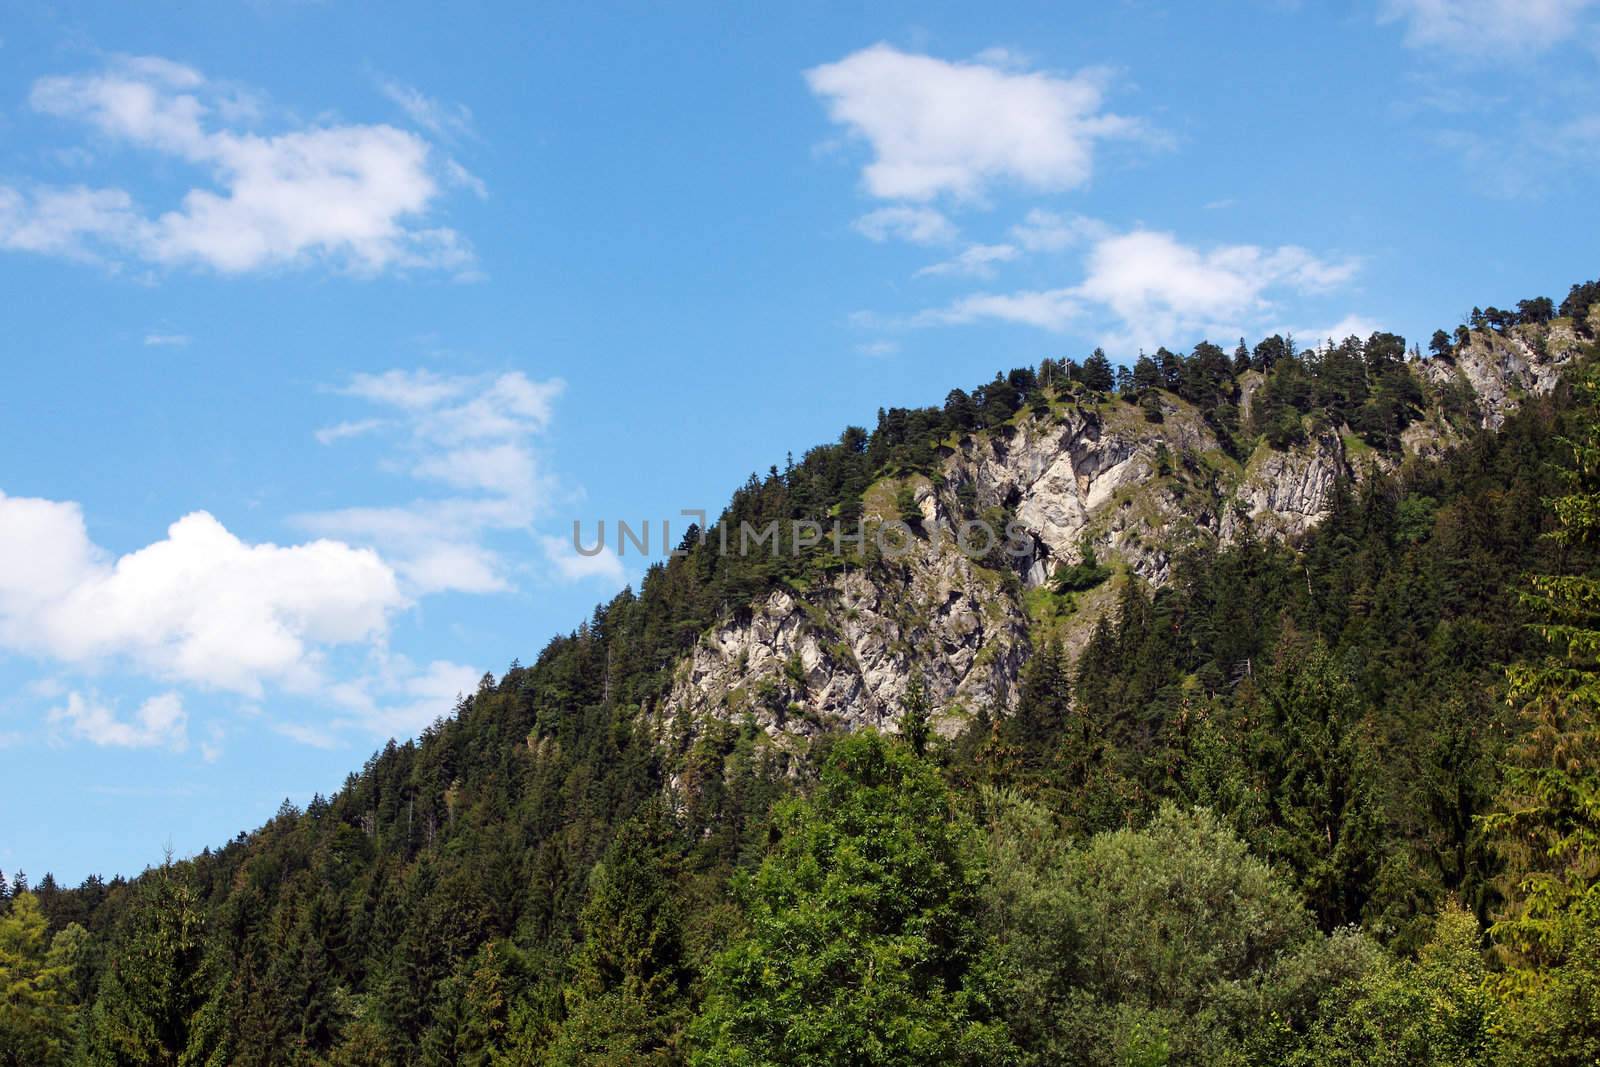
1084 476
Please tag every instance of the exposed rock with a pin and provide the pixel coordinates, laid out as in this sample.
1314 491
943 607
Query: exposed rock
1501 369
843 655
1098 475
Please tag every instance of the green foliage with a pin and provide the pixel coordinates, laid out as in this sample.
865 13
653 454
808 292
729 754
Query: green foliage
1436 1011
150 991
861 928
38 1005
1553 1016
916 711
1546 822
1085 574
1169 944
546 875
626 1001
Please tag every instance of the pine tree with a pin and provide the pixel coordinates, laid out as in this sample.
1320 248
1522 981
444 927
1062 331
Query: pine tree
915 714
1318 782
1045 700
150 989
1546 822
626 1001
1097 373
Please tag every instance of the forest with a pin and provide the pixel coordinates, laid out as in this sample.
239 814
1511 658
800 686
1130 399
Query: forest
1328 801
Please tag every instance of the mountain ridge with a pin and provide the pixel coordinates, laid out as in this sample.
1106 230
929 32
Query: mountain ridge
1086 474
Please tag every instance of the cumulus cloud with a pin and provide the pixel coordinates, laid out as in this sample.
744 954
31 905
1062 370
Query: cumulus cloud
953 128
159 722
356 196
199 606
1479 27
471 435
1156 288
917 225
1159 285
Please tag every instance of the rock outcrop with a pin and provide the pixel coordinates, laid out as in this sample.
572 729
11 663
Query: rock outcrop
1096 476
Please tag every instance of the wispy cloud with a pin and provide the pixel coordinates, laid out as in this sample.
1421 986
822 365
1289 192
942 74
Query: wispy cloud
916 225
399 699
473 436
1048 231
1483 28
1154 288
570 565
447 121
974 261
166 340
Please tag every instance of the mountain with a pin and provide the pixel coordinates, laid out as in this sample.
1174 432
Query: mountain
1211 756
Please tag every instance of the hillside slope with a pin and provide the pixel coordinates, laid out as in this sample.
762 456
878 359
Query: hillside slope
673 837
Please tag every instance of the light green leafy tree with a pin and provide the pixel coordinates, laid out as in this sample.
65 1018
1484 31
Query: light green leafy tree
1436 1011
862 928
38 1007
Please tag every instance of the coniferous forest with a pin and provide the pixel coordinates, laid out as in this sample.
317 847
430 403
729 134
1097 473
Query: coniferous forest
1331 799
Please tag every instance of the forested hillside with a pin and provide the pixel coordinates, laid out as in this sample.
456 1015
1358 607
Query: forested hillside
1322 793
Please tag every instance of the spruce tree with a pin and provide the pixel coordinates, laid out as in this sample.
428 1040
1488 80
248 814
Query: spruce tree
1546 822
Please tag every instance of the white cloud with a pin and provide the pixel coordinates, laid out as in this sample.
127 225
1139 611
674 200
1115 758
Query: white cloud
211 747
66 221
1350 326
448 121
974 261
341 431
306 734
1485 27
356 196
1158 289
400 699
412 390
159 722
463 178
471 435
166 340
918 225
878 348
938 128
570 565
1052 309
1046 231
200 606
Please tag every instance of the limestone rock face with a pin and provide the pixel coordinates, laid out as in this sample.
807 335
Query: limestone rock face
841 653
1501 369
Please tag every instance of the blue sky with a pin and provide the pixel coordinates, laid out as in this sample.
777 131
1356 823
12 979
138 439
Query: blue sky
324 321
